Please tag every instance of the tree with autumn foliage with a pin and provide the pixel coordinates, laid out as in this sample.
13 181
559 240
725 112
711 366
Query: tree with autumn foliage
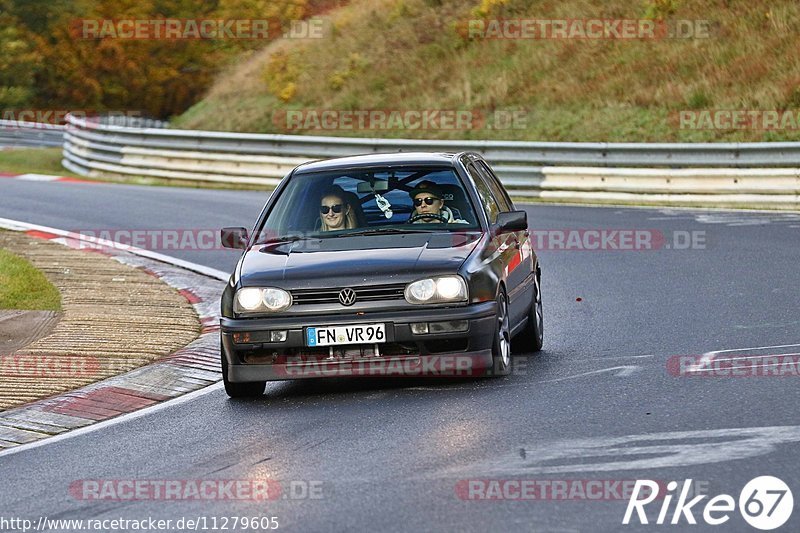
48 64
19 61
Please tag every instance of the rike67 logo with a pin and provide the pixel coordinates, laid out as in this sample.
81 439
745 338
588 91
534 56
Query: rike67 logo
765 503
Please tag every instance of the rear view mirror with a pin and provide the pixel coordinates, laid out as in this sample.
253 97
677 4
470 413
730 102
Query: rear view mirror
376 186
235 238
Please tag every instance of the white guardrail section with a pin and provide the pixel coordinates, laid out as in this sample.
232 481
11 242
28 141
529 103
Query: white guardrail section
559 171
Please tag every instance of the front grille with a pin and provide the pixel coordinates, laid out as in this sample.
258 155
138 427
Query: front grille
363 294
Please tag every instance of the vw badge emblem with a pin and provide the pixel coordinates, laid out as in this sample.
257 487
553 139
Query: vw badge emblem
347 296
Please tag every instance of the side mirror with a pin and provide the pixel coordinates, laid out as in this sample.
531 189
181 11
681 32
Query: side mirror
511 221
235 238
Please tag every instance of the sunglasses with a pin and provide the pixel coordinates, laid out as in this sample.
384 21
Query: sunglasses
429 201
324 209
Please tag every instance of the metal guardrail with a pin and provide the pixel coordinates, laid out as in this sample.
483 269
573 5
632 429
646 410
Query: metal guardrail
15 133
30 134
576 172
509 153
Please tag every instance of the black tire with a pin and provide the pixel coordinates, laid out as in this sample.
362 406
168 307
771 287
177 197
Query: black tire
501 344
250 389
531 338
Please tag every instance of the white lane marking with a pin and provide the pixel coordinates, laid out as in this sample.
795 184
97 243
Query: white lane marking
765 365
636 452
623 371
754 356
16 225
756 348
38 177
114 421
768 324
708 357
604 358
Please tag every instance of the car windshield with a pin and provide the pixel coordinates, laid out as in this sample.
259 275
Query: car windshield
370 201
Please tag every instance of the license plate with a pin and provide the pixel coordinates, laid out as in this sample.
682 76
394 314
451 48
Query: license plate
335 335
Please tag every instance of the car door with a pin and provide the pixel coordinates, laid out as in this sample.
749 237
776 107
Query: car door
522 265
506 244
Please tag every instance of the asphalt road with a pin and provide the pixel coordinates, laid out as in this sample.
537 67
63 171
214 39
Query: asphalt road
597 405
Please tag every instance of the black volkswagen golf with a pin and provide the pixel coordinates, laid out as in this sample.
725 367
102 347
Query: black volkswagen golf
407 264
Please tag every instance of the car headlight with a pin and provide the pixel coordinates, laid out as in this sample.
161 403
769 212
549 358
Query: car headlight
249 299
254 300
436 290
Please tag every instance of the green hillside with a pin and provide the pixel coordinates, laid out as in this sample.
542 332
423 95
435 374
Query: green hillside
419 55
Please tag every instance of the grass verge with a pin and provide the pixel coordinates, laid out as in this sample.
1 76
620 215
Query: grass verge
33 161
24 287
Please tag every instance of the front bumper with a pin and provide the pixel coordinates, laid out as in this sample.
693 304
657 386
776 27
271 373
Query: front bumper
464 353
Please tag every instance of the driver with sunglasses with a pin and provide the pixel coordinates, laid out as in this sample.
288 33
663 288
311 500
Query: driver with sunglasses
429 206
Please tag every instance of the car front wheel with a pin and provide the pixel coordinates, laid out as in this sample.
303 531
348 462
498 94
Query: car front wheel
501 346
532 337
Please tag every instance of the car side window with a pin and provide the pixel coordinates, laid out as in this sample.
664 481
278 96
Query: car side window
488 200
495 186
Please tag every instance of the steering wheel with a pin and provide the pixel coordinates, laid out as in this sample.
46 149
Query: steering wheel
421 216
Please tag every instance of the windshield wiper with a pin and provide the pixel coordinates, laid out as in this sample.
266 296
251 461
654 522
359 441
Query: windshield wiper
385 231
282 240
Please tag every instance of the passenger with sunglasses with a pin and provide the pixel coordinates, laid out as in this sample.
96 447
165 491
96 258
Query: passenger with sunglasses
334 211
429 206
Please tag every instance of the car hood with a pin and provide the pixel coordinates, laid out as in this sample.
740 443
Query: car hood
354 261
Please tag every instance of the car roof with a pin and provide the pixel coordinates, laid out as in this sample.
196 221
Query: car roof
376 160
